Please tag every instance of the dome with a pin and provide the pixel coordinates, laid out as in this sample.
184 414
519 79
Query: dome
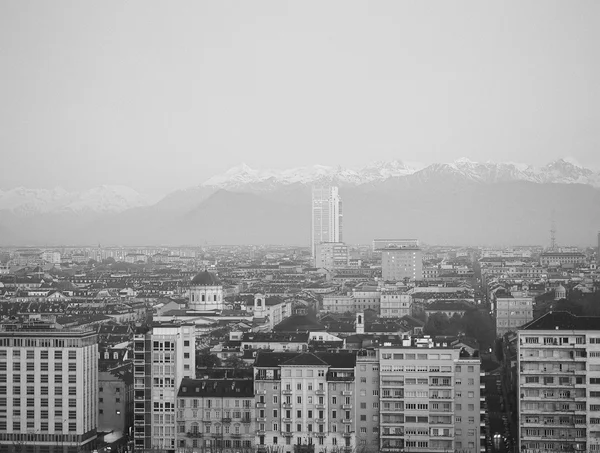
205 278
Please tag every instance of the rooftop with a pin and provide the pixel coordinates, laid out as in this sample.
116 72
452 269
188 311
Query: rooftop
563 320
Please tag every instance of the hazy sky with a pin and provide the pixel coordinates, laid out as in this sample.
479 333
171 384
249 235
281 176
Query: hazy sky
162 95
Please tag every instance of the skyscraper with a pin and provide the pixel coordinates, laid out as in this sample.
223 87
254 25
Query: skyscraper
326 216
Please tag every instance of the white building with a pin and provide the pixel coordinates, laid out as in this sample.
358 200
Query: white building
331 255
326 216
395 304
206 292
49 390
162 358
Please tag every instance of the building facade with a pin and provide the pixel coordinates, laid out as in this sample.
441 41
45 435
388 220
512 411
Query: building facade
305 402
206 293
512 313
331 255
559 384
326 216
429 398
395 304
216 415
162 358
49 388
398 264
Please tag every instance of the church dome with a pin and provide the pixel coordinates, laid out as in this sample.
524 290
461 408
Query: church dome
205 278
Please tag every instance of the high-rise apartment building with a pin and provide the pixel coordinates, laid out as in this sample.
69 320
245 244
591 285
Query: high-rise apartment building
326 216
48 388
429 398
399 263
162 357
367 400
559 384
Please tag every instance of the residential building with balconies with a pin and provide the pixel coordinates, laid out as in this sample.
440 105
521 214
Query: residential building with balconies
305 401
559 383
367 400
429 398
216 414
162 358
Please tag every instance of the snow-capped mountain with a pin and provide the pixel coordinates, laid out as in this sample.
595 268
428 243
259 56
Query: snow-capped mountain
560 171
103 199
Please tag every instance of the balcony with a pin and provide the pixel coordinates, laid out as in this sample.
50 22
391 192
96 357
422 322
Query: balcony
287 405
346 392
320 420
260 432
346 406
261 392
246 420
261 419
226 420
287 391
264 377
287 420
287 434
320 392
347 434
347 420
320 406
194 434
261 405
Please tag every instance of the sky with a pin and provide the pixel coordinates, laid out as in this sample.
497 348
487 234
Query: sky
162 95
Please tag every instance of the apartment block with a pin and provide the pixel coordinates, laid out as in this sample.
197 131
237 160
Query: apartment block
331 255
395 304
559 384
429 398
399 264
48 387
511 313
163 357
367 400
305 401
216 414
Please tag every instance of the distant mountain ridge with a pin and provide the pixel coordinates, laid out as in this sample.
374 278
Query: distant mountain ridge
462 202
560 171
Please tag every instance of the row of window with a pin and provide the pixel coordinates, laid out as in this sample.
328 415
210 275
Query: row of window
42 426
44 354
44 390
42 366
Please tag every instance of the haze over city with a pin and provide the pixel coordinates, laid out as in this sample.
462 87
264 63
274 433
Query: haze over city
161 97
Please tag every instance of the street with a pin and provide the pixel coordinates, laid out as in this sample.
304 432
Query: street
498 436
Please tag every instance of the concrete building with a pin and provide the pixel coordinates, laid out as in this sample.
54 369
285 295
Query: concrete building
367 400
429 398
162 358
398 264
206 293
562 258
511 313
331 255
49 388
559 384
216 415
395 304
305 402
326 216
272 309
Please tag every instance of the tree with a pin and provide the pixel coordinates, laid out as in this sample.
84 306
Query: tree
205 359
479 325
235 362
437 324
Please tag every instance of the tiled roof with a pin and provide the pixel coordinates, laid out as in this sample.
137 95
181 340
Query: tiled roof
305 358
563 320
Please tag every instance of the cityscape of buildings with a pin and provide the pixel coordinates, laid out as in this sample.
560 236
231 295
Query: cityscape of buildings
394 346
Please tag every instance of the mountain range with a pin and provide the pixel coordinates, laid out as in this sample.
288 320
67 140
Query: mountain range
462 202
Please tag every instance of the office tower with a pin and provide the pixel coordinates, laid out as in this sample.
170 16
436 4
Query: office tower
331 255
326 216
49 388
429 398
398 264
305 401
216 414
559 383
162 357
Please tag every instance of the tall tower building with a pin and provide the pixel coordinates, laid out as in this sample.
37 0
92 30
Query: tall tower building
598 250
49 388
326 216
162 358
